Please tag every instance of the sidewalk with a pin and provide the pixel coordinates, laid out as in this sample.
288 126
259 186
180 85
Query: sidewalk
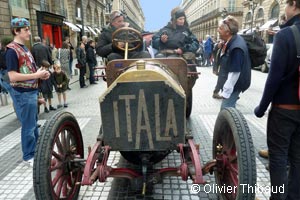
6 109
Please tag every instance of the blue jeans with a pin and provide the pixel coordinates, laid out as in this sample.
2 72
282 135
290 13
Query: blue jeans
70 66
5 85
283 138
26 108
207 59
231 101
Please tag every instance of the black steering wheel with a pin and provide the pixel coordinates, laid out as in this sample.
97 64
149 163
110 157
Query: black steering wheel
127 35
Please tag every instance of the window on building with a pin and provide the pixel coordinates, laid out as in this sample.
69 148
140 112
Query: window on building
248 17
275 11
19 3
231 5
44 5
62 10
78 9
260 13
96 17
102 19
89 14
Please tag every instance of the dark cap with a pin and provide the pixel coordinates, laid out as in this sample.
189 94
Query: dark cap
19 23
177 12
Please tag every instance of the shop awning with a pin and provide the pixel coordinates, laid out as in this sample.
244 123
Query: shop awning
98 30
85 28
72 26
92 30
268 24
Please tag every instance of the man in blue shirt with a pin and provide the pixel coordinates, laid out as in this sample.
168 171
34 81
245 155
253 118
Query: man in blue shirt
23 76
234 61
281 89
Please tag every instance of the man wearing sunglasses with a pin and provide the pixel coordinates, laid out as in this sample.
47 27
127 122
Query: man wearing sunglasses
105 47
235 61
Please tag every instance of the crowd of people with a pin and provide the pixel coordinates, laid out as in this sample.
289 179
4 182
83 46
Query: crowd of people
25 74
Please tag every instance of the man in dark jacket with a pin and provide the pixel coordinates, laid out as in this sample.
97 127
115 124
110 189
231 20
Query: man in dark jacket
105 47
91 60
81 58
40 52
4 80
283 128
235 61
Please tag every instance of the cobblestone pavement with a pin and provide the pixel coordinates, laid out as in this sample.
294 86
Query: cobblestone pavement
16 178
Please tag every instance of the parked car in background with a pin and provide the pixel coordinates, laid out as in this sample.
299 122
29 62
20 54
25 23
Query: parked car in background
265 67
268 58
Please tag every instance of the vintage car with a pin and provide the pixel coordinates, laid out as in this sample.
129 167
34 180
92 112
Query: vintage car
144 114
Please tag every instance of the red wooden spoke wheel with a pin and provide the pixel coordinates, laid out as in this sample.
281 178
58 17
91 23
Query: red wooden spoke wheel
234 151
55 172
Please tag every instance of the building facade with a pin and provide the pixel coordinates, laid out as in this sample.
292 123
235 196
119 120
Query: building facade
205 15
263 16
260 15
133 11
53 20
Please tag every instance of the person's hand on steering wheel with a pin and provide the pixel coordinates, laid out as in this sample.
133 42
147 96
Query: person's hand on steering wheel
179 51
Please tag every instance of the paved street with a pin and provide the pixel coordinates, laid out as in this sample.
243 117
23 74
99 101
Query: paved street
16 178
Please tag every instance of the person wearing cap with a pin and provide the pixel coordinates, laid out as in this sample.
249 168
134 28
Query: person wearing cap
24 77
104 47
175 39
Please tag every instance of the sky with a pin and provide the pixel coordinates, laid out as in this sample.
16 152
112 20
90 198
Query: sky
157 12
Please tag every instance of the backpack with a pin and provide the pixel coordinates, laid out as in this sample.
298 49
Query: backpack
256 47
2 60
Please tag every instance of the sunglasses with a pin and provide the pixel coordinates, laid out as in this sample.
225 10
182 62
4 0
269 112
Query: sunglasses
227 24
117 15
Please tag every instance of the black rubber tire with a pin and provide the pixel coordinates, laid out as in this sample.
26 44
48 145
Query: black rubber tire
189 103
232 132
135 157
60 134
